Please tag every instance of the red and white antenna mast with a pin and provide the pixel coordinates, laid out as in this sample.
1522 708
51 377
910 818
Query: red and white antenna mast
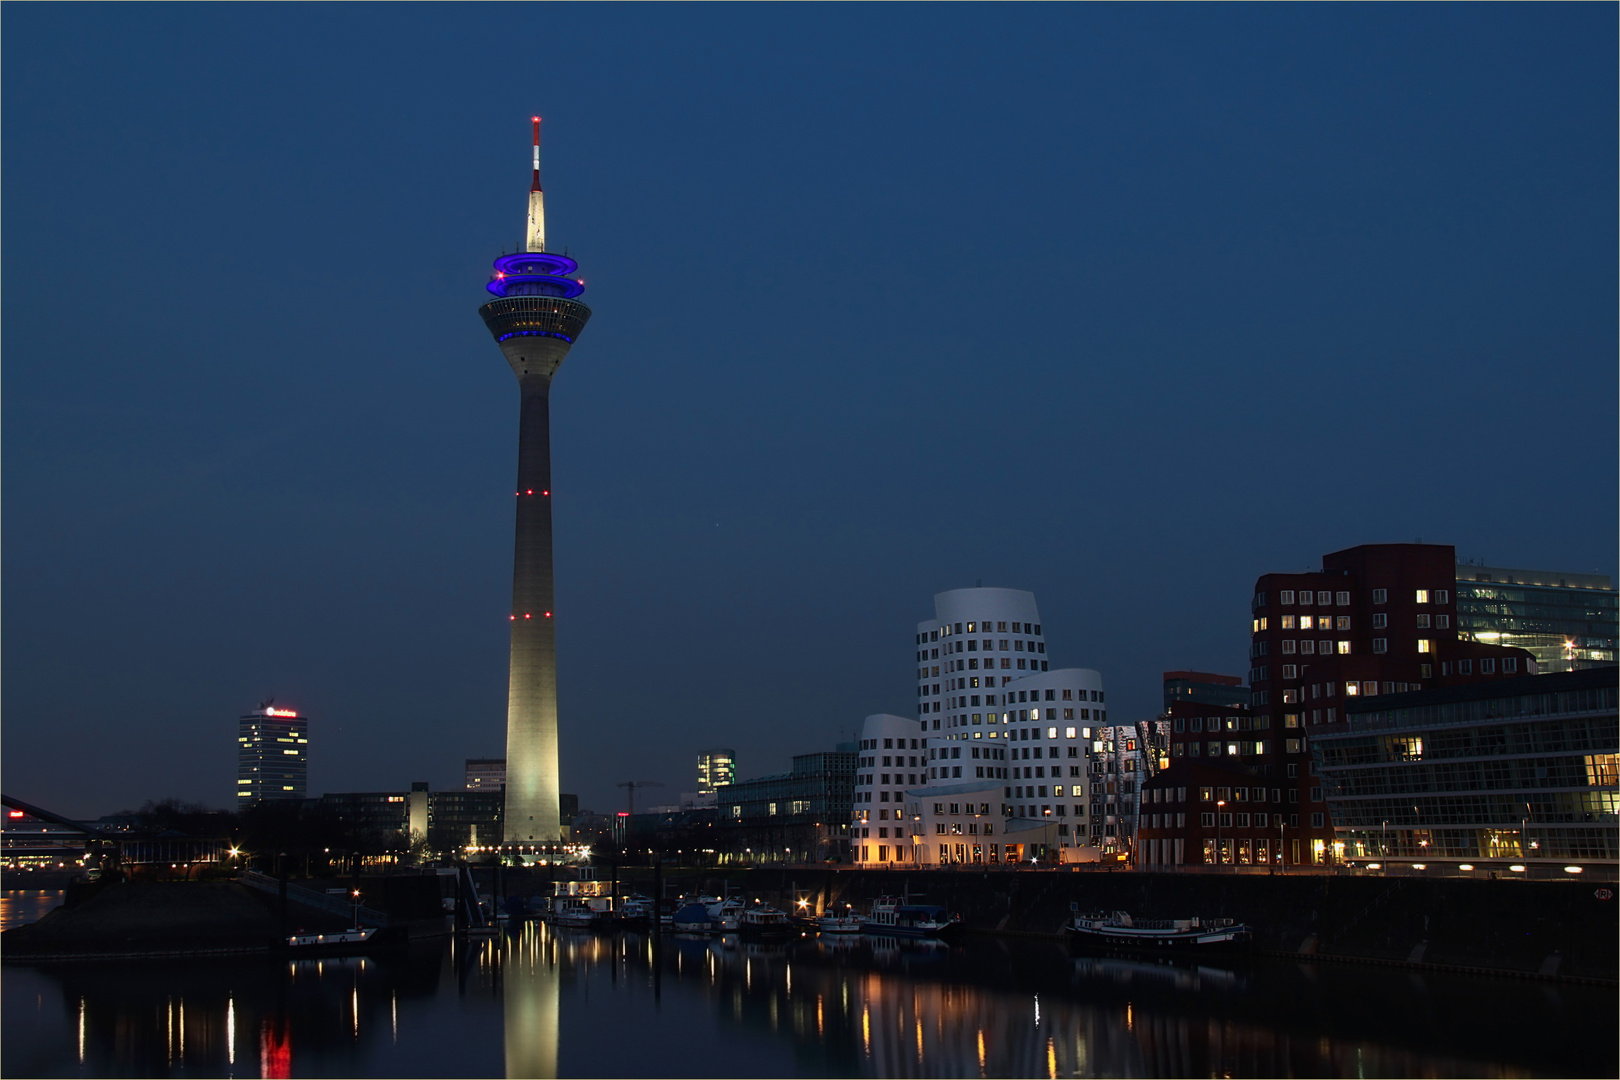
536 240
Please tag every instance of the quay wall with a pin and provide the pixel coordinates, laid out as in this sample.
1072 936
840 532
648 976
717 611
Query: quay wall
1539 928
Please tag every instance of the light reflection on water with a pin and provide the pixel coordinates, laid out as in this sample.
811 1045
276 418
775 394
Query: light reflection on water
539 1002
18 907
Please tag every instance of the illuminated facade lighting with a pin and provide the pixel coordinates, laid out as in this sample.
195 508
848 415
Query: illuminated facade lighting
535 317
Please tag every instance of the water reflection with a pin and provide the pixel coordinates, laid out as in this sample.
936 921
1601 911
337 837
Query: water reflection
18 907
537 1002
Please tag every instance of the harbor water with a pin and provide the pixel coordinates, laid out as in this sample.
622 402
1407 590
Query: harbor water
536 1001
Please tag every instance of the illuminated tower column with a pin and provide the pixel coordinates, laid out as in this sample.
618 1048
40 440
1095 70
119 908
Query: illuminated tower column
535 320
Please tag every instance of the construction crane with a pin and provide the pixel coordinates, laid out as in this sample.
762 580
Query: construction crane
632 785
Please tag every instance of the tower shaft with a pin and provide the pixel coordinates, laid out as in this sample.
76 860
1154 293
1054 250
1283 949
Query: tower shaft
533 792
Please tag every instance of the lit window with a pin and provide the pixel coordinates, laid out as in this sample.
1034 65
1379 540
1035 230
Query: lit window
1344 648
1306 622
1051 732
1352 688
1288 622
1425 645
1068 733
1423 596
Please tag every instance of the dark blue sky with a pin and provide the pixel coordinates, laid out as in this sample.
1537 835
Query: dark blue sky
1123 305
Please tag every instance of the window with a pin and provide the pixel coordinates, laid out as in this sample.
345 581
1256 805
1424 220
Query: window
1510 664
1442 596
1208 820
1380 645
1316 821
1487 667
1290 671
1307 622
1288 649
1316 794
1291 720
1423 622
1324 598
1342 622
1380 620
1293 746
1342 599
1425 645
1423 596
1289 622
1344 648
1442 622
1290 697
1380 596
1286 596
1465 667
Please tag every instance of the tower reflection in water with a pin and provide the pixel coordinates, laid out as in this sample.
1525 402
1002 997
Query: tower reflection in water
530 1000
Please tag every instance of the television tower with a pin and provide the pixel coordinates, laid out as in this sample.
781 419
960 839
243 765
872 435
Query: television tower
535 318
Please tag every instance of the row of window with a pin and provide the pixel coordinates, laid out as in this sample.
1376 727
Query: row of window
972 645
1243 748
1007 664
1216 723
889 744
1342 599
984 627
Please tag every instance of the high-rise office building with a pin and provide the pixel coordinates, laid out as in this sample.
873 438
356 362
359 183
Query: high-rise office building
485 773
1567 621
535 318
715 768
272 755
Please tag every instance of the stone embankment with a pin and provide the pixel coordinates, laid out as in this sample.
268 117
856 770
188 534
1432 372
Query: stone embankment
1547 929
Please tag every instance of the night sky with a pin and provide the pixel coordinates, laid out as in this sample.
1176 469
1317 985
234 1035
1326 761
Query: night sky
1122 305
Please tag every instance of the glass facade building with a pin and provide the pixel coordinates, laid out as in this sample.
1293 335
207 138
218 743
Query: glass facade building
716 767
1516 772
1567 621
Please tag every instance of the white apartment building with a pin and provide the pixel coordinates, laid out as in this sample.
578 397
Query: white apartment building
1005 745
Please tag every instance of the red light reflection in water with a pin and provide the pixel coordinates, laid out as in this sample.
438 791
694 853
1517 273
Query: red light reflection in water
275 1050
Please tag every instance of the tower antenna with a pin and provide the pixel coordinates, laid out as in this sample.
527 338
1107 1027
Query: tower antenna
536 240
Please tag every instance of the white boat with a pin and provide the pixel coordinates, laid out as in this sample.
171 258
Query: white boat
574 912
847 923
726 914
336 940
1118 929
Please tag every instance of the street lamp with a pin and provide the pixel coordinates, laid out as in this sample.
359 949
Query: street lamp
1219 803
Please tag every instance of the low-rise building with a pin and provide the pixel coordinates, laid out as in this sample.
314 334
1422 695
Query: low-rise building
1513 773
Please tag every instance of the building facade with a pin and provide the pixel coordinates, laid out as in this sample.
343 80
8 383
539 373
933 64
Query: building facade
798 816
1203 688
1566 621
272 755
485 773
1512 776
997 766
716 767
1376 619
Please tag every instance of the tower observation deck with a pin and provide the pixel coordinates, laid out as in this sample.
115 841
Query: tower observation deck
535 318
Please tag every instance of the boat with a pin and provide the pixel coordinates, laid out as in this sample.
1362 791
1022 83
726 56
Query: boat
764 921
726 913
636 911
574 913
892 918
358 937
1119 930
847 923
693 919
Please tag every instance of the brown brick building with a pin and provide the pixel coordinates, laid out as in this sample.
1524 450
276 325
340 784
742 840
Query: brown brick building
1376 619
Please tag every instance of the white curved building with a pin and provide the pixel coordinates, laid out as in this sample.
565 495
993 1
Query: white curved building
1007 744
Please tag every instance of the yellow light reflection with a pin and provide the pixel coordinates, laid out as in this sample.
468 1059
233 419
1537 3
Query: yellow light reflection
981 1051
230 1030
820 1027
354 1010
1130 1017
866 1031
919 1042
81 1031
1051 1060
